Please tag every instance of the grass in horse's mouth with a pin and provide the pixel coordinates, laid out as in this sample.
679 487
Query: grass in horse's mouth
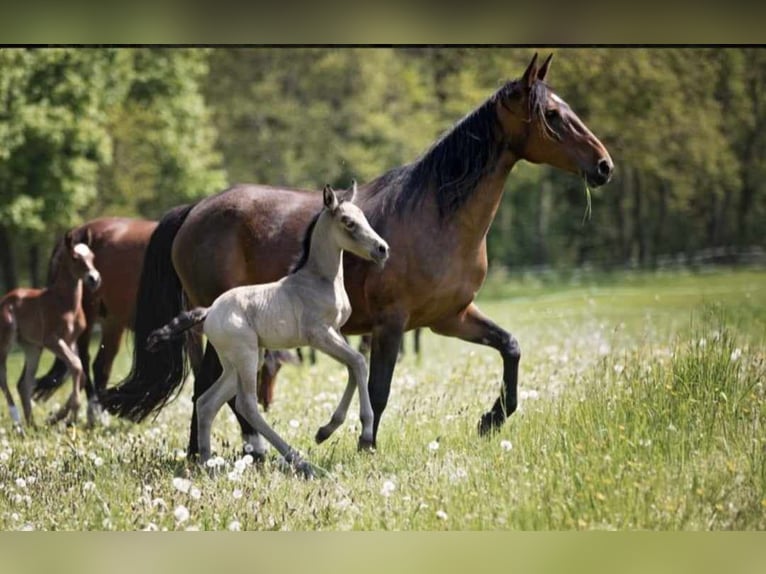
587 214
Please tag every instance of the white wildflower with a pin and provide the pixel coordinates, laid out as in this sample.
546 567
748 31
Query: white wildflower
433 445
88 485
151 527
294 423
702 343
619 369
195 493
21 483
15 516
388 488
736 354
236 493
181 484
234 526
234 476
98 461
506 445
441 515
603 349
181 514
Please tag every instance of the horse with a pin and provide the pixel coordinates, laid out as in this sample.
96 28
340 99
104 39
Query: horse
307 307
434 213
119 244
51 318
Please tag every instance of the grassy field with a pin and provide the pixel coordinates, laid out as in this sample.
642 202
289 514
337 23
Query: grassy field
642 407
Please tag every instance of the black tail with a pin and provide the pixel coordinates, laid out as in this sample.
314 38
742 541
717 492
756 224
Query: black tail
178 325
51 381
154 376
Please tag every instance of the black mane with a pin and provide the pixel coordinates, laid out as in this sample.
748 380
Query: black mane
455 163
306 245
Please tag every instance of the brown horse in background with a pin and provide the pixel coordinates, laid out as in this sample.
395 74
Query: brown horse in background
119 244
434 213
50 318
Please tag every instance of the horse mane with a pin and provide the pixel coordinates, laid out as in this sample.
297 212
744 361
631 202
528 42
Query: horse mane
457 161
305 245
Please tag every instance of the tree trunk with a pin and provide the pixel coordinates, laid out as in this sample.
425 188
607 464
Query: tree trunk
659 228
34 265
7 261
639 235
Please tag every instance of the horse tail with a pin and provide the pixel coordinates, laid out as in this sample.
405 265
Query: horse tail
154 376
176 327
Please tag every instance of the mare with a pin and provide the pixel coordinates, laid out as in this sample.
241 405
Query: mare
434 213
51 318
119 245
307 307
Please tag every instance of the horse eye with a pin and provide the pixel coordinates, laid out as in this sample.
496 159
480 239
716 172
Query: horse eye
551 114
350 224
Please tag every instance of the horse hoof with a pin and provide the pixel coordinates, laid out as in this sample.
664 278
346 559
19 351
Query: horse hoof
489 423
305 469
366 446
322 435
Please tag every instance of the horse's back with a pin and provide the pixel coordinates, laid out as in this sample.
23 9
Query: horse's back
248 234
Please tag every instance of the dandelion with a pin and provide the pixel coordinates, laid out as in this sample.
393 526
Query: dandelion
603 349
441 515
294 423
21 483
159 503
181 484
98 461
248 449
702 343
4 456
530 394
15 516
672 427
234 526
88 485
619 369
151 527
236 493
433 445
388 488
181 514
28 527
195 493
506 445
234 476
736 354
247 459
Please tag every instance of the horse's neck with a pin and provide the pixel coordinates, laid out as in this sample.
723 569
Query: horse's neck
325 256
475 217
67 290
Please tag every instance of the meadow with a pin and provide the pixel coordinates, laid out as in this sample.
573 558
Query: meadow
642 406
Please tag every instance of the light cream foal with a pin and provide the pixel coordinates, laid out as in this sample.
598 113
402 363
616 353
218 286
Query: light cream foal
307 307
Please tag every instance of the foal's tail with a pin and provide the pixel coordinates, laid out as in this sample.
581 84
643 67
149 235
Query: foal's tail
176 327
154 377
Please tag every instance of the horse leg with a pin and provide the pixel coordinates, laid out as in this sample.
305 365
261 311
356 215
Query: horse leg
334 345
27 381
14 412
473 326
383 356
209 372
247 366
208 405
111 336
69 356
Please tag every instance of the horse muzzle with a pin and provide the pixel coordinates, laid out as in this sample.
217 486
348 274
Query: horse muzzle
380 254
601 173
93 280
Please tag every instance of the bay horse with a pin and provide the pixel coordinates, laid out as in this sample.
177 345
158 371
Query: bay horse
307 307
51 318
434 213
119 245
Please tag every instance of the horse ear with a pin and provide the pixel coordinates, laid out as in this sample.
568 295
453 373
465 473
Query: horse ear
68 239
530 74
543 71
330 199
88 239
352 193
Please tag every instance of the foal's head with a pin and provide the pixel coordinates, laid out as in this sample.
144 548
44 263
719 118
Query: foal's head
351 229
540 127
77 259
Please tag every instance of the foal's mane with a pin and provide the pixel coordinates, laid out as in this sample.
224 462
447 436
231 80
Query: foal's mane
456 162
305 244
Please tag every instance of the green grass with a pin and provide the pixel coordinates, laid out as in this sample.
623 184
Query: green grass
642 407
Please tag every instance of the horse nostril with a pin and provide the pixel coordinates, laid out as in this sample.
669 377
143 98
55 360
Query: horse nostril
382 249
604 167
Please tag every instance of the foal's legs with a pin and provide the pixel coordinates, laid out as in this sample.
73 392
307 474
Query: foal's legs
6 391
111 336
210 403
27 380
69 356
473 326
332 343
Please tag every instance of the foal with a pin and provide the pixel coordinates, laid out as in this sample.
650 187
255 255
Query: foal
50 318
307 307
